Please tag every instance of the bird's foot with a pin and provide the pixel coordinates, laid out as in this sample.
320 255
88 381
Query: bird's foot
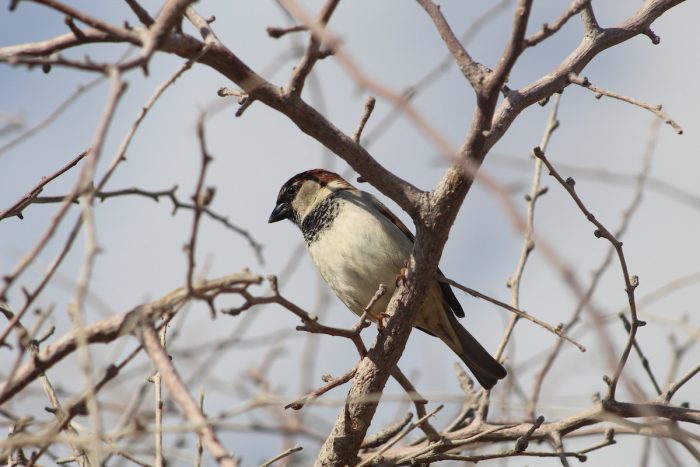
401 277
380 321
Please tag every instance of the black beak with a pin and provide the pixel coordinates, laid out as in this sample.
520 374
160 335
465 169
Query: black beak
280 212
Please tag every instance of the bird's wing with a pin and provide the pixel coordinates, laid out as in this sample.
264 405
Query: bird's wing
447 294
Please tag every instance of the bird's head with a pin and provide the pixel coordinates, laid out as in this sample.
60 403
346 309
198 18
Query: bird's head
303 192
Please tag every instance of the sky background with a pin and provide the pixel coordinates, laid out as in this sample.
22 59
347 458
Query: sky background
396 44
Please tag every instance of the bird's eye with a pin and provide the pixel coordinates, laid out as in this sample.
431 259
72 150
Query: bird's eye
292 190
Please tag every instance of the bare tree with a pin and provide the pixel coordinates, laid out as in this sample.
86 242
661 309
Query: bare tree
154 342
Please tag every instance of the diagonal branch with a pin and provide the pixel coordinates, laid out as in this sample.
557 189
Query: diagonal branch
312 53
31 196
675 386
48 119
655 109
473 71
548 30
516 44
114 31
178 391
140 12
520 313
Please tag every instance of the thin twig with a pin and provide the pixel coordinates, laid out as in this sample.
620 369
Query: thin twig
312 53
549 30
199 448
354 335
53 266
386 434
523 314
602 175
410 92
201 199
369 107
584 301
631 282
31 195
282 455
673 388
419 402
528 245
655 109
609 440
29 341
178 391
363 80
447 444
155 195
143 111
528 241
638 349
78 407
401 436
158 413
48 119
277 32
299 403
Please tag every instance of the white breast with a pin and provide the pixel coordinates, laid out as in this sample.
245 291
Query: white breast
360 250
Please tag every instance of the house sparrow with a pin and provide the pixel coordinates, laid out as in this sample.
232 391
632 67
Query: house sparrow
357 243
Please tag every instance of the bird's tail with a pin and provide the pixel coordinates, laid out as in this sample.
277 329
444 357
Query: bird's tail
485 368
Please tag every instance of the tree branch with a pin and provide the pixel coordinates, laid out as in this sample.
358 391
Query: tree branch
110 329
655 109
557 79
178 391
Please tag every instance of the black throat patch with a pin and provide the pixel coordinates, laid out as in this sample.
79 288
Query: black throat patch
320 218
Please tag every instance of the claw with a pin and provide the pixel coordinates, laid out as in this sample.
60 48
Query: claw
380 321
401 276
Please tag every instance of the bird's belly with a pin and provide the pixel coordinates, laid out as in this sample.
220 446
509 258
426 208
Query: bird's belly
354 262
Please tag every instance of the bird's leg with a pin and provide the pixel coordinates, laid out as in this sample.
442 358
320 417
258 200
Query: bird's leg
380 321
401 276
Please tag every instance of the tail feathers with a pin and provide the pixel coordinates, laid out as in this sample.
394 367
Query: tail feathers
485 368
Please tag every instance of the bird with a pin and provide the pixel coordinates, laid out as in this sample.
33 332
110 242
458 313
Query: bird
357 243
